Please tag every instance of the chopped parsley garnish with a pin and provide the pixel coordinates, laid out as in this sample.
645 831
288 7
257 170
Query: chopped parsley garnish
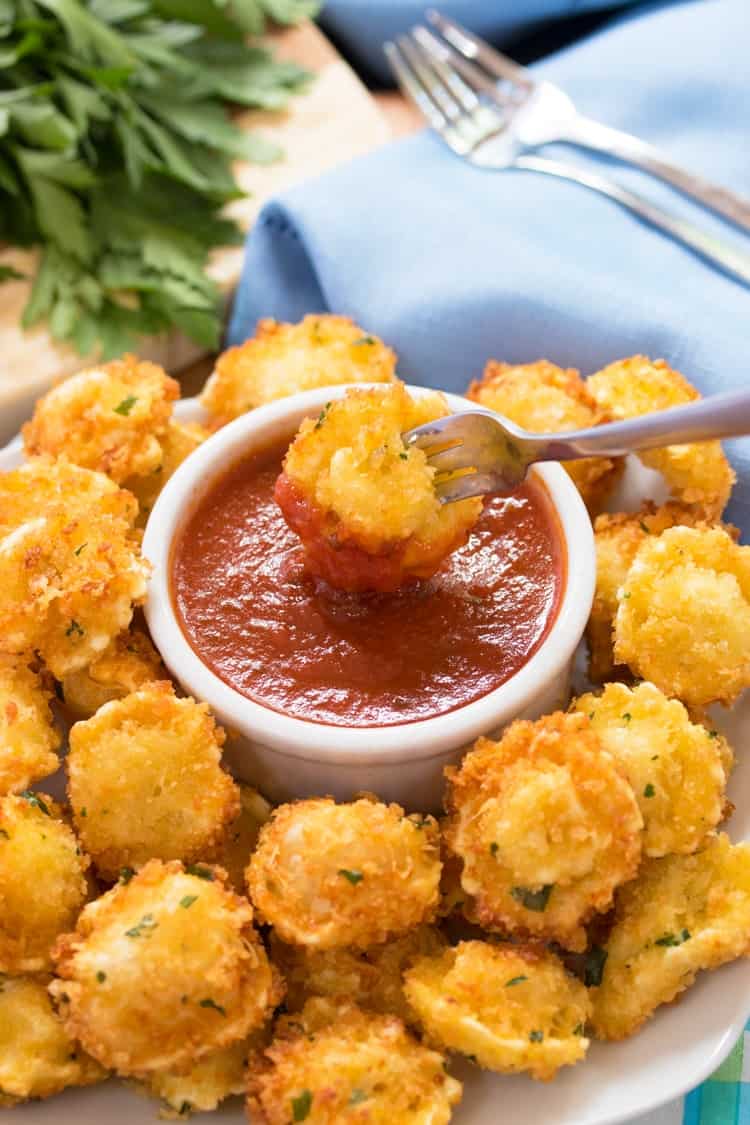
643 527
78 550
126 405
536 1036
713 734
188 901
626 595
673 939
209 1003
35 800
200 872
142 928
363 340
593 968
358 1096
74 627
101 977
579 1029
83 812
533 900
515 980
404 456
126 874
301 1105
649 791
322 416
353 877
420 821
627 717
494 848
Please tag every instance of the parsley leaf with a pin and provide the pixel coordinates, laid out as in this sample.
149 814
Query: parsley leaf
209 1003
533 900
353 877
35 800
673 939
142 928
301 1106
126 405
515 980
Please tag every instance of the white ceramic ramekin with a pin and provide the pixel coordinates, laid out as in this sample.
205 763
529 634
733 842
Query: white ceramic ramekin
288 757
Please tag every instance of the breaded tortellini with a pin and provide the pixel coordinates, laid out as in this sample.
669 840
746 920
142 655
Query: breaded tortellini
682 914
241 836
361 501
207 1083
547 826
683 618
283 359
37 1056
108 418
331 1065
163 970
43 882
127 663
177 442
697 474
145 780
616 540
509 1008
327 875
544 398
28 736
371 978
70 563
675 766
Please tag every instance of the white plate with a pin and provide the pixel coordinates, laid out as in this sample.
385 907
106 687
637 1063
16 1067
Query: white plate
617 1082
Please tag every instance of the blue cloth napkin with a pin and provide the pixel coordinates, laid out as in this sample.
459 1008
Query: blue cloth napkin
452 265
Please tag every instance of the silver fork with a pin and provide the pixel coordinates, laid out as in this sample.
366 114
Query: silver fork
477 452
485 136
543 113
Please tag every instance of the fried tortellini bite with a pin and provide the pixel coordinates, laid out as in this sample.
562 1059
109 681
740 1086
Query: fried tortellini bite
675 766
70 564
163 970
510 1008
371 978
544 398
207 1083
682 914
28 736
361 501
108 418
683 616
127 663
177 442
283 359
37 1056
697 474
43 882
241 836
547 826
145 780
335 1064
327 875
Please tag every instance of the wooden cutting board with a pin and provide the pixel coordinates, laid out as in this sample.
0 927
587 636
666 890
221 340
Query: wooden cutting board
335 120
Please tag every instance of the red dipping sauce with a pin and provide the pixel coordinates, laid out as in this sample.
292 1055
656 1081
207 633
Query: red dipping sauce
256 619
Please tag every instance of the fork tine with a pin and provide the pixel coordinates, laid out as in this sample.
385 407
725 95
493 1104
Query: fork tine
469 484
449 460
422 65
460 131
444 56
412 89
471 47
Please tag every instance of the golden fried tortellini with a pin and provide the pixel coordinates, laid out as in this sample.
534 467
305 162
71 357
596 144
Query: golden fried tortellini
145 780
544 398
127 663
363 504
28 736
683 616
371 978
108 418
207 1083
70 564
547 826
42 881
327 875
509 1008
177 442
283 359
675 766
331 1065
696 474
37 1056
682 914
163 970
241 836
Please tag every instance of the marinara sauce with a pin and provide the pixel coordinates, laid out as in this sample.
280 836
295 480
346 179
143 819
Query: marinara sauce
260 622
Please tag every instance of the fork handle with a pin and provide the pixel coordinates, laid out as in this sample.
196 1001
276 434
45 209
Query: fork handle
706 246
591 134
720 416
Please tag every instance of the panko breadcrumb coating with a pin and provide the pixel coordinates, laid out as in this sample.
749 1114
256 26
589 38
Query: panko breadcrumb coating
241 836
697 474
127 663
28 736
371 978
283 359
177 442
617 539
683 619
70 565
682 914
108 418
544 398
335 1066
42 881
327 875
37 1056
547 827
145 780
675 766
509 1008
163 970
362 503
208 1082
